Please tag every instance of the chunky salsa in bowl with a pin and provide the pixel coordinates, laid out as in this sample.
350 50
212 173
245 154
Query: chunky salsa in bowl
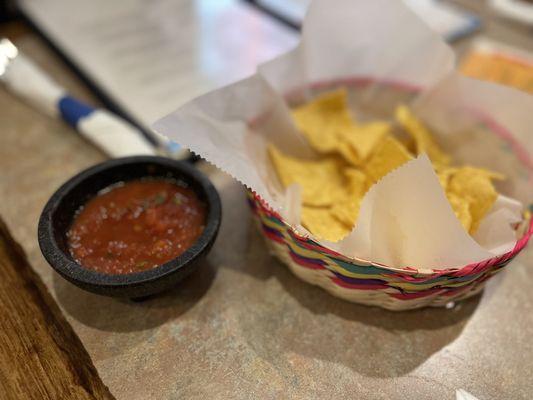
130 227
136 226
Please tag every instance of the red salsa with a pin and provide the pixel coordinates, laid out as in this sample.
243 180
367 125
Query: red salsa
135 226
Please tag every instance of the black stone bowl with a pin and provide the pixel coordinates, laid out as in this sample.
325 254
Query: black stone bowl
58 214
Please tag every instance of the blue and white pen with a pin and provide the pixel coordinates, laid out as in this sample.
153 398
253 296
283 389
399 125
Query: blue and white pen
115 136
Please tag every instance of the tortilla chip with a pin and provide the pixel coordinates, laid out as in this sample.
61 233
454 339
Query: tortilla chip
389 154
487 173
322 119
346 208
319 179
423 140
322 224
357 142
461 208
444 174
348 153
474 185
328 126
356 181
346 211
355 156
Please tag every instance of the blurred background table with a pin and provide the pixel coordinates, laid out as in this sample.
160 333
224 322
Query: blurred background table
242 327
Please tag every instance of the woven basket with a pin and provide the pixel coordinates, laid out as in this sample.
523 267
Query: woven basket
370 283
366 282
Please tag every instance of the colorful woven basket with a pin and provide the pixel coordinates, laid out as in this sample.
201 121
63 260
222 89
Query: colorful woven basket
370 283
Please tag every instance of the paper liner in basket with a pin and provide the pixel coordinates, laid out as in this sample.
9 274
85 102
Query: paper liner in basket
405 219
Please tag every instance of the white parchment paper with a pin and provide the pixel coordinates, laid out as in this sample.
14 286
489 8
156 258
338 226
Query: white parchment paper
405 219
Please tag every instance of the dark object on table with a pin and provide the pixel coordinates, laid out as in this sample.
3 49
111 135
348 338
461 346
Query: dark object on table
60 210
7 10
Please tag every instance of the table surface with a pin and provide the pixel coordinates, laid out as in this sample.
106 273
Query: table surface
242 326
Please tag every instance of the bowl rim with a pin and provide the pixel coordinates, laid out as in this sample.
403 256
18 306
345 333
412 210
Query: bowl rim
66 266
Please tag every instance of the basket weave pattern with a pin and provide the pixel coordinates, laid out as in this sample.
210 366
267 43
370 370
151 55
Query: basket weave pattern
370 283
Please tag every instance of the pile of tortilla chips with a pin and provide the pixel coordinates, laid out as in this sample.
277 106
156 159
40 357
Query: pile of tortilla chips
355 155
